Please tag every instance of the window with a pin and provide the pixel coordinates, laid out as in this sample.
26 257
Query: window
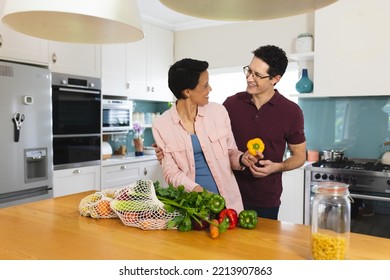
228 81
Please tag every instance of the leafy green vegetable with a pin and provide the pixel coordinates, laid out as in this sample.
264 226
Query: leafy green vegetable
190 205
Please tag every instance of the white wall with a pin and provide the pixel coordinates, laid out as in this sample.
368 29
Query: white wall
232 44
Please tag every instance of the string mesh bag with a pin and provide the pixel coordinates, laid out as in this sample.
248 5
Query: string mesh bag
138 206
97 205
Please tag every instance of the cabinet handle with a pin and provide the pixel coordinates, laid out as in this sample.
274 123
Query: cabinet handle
145 171
77 171
54 58
152 89
127 85
123 167
1 41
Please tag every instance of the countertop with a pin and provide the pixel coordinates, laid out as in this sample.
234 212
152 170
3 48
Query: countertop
129 158
53 229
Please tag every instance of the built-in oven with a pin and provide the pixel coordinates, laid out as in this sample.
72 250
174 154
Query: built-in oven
76 120
117 115
369 187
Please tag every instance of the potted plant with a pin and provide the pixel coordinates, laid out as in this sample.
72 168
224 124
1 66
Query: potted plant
138 139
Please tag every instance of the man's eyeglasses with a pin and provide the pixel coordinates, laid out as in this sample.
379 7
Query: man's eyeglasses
255 75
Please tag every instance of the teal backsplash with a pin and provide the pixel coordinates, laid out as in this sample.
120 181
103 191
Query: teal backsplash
117 140
359 124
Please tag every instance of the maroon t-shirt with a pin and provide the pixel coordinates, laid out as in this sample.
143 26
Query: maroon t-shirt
278 122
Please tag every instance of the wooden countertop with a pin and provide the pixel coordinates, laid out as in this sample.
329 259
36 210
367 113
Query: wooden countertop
53 229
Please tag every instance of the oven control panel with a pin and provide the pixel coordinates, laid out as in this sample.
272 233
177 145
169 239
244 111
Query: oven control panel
355 181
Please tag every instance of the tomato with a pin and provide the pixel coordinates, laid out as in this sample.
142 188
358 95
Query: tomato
131 217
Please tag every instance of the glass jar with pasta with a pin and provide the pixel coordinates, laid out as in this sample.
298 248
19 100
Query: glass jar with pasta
330 222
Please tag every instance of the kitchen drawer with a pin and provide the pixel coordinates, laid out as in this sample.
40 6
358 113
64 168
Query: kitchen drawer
75 180
120 175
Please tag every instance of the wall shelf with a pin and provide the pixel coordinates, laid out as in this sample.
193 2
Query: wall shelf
302 56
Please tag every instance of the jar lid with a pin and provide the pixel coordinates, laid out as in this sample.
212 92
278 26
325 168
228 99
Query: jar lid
331 188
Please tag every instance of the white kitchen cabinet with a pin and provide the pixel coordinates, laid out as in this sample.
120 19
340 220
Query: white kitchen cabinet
114 70
291 209
152 170
16 46
125 173
119 175
75 180
75 59
352 48
139 70
148 62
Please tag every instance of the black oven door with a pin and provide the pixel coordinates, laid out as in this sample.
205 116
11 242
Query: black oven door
370 213
75 151
75 111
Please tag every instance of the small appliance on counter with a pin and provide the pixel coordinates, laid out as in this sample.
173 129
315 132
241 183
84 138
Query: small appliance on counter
386 155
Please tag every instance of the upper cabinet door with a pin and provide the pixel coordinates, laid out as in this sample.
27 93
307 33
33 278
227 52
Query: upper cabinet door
352 48
136 67
160 58
139 70
148 62
19 47
76 59
114 70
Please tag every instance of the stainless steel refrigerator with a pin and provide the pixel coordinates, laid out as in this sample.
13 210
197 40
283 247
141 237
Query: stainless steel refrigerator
26 168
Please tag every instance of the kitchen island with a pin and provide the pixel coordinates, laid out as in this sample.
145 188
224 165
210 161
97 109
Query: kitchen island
53 229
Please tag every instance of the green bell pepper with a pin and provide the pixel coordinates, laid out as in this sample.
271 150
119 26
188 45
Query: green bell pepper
216 203
247 219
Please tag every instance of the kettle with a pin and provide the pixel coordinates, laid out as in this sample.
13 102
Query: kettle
386 155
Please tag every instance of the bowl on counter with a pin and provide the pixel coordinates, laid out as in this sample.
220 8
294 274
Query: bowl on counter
106 150
149 150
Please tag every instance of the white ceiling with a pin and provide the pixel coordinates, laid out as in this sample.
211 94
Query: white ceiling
153 11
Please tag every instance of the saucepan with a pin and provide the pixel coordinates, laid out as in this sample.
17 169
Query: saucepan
333 155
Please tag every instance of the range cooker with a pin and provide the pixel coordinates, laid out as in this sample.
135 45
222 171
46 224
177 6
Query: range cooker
369 186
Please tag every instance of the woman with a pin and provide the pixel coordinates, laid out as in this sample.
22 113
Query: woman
196 138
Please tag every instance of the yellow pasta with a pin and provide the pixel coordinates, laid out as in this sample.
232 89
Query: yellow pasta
327 247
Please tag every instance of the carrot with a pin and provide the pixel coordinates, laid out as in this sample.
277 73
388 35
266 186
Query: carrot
214 230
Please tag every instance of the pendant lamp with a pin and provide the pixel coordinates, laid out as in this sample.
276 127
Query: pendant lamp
76 21
242 10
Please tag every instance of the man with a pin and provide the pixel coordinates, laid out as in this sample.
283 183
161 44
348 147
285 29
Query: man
262 112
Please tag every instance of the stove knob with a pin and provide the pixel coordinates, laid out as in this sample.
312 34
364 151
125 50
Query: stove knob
354 180
324 176
345 179
331 177
317 176
338 178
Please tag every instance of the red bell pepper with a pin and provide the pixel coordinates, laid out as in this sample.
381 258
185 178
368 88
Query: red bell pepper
230 215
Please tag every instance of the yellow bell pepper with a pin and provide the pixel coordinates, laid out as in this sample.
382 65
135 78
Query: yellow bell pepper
255 145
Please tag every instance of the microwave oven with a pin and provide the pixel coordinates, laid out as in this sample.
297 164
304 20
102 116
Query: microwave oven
117 115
